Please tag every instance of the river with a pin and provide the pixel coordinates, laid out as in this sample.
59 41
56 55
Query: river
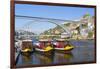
83 52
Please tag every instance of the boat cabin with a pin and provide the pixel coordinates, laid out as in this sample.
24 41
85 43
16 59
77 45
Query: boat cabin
27 44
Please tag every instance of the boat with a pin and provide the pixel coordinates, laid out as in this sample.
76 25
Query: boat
26 46
61 45
44 47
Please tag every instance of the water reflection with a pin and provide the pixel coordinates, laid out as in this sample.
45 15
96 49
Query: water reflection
62 57
38 58
26 58
44 59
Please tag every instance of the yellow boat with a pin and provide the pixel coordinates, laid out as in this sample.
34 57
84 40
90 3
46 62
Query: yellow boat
66 48
61 46
27 46
69 47
44 47
26 50
45 51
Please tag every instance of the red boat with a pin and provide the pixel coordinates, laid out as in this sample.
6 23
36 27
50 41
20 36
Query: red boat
62 45
44 47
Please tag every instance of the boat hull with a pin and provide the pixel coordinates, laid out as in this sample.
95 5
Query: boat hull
63 50
43 52
26 52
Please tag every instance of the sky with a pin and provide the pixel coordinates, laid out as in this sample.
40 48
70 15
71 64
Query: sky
56 12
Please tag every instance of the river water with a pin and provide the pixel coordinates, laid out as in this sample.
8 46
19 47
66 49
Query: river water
83 52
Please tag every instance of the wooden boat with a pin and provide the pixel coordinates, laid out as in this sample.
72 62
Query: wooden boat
26 46
61 46
44 47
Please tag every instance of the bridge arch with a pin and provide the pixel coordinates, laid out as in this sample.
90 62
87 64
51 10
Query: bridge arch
57 22
53 22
